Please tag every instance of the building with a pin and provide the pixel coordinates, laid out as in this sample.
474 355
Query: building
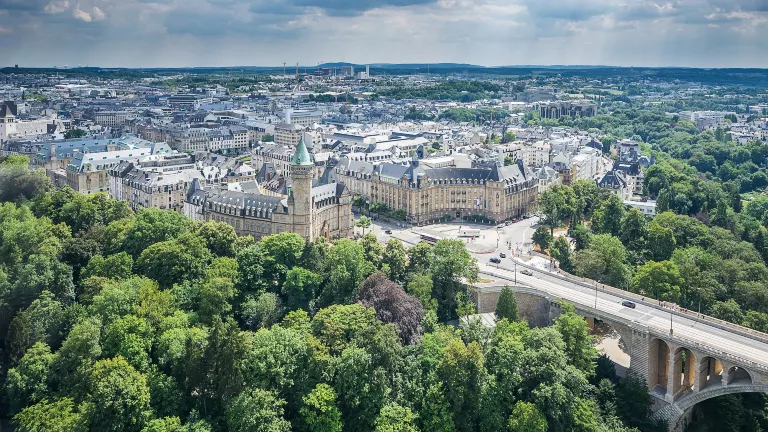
614 182
11 126
312 212
555 110
150 188
429 195
288 135
648 208
112 118
347 71
537 154
304 118
279 156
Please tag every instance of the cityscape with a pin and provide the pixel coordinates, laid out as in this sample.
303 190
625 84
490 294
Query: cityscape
420 242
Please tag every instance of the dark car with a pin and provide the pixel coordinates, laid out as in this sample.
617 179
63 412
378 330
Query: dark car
526 272
495 260
503 255
388 231
628 304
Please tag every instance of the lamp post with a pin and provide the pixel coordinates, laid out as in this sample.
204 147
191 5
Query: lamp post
595 295
671 330
515 272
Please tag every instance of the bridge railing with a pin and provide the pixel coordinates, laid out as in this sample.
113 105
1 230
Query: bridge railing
706 319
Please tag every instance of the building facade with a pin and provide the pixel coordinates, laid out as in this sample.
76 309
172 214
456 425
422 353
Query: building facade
312 212
493 191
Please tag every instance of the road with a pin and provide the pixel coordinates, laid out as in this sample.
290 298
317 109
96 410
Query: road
495 240
659 320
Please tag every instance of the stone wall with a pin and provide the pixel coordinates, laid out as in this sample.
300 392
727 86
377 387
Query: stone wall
534 308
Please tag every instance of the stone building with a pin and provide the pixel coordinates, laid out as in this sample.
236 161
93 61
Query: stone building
427 195
320 211
555 110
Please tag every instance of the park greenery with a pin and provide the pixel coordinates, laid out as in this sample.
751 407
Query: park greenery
115 320
453 90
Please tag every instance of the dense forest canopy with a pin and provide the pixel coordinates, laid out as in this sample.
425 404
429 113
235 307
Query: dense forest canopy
122 321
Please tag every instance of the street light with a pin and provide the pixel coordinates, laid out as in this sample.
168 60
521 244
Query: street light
515 272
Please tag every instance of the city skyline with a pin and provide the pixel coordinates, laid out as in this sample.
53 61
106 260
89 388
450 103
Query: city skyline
171 33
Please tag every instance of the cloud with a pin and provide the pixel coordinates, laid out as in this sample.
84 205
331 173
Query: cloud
494 32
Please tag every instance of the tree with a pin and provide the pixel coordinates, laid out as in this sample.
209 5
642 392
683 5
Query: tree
396 418
219 237
581 236
661 242
364 222
634 230
175 261
542 237
300 288
561 251
506 308
250 266
451 263
436 413
319 413
361 387
608 216
52 416
74 361
75 133
348 267
27 383
658 280
461 372
392 305
558 204
508 160
526 417
579 344
117 266
662 202
421 287
152 226
374 252
394 259
120 396
256 410
262 311
728 310
604 261
419 258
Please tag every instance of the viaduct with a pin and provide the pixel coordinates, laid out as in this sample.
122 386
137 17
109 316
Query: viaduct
683 365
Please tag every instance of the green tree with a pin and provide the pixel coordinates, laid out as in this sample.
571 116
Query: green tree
364 222
728 310
579 344
117 266
175 261
396 418
526 417
75 133
262 311
561 251
506 308
131 338
436 413
461 371
250 266
282 252
419 258
658 280
152 226
604 261
348 267
634 230
662 202
661 242
300 288
27 383
421 287
219 237
542 237
608 216
581 236
76 357
52 416
394 259
558 204
451 263
361 387
319 413
120 396
256 410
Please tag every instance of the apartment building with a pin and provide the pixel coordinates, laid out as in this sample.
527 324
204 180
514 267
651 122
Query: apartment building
112 118
151 187
288 135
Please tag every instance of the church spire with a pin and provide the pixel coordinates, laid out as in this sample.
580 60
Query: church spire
301 156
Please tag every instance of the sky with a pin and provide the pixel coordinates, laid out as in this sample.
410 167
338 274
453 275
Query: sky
184 33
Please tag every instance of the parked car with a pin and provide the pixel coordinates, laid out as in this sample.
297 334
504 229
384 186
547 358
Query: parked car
495 260
515 220
629 304
506 223
526 272
389 231
503 255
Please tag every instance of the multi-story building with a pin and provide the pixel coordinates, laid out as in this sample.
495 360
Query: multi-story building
13 127
614 182
148 188
288 135
304 118
555 110
536 154
427 195
279 156
312 212
112 118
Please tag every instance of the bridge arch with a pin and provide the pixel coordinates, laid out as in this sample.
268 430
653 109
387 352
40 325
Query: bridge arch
675 412
737 375
710 373
683 371
658 365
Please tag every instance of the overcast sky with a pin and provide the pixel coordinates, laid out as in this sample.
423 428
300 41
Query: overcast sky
179 33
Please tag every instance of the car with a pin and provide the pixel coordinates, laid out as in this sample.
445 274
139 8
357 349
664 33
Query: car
629 304
526 272
506 223
503 255
495 260
515 220
389 231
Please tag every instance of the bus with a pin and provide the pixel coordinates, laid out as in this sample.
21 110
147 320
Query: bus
469 232
429 238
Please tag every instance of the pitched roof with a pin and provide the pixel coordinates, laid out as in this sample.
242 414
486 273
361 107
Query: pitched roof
301 156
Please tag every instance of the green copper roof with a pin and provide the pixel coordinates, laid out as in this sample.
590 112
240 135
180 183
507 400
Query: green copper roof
301 155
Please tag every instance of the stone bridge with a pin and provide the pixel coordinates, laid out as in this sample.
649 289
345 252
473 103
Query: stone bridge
680 372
